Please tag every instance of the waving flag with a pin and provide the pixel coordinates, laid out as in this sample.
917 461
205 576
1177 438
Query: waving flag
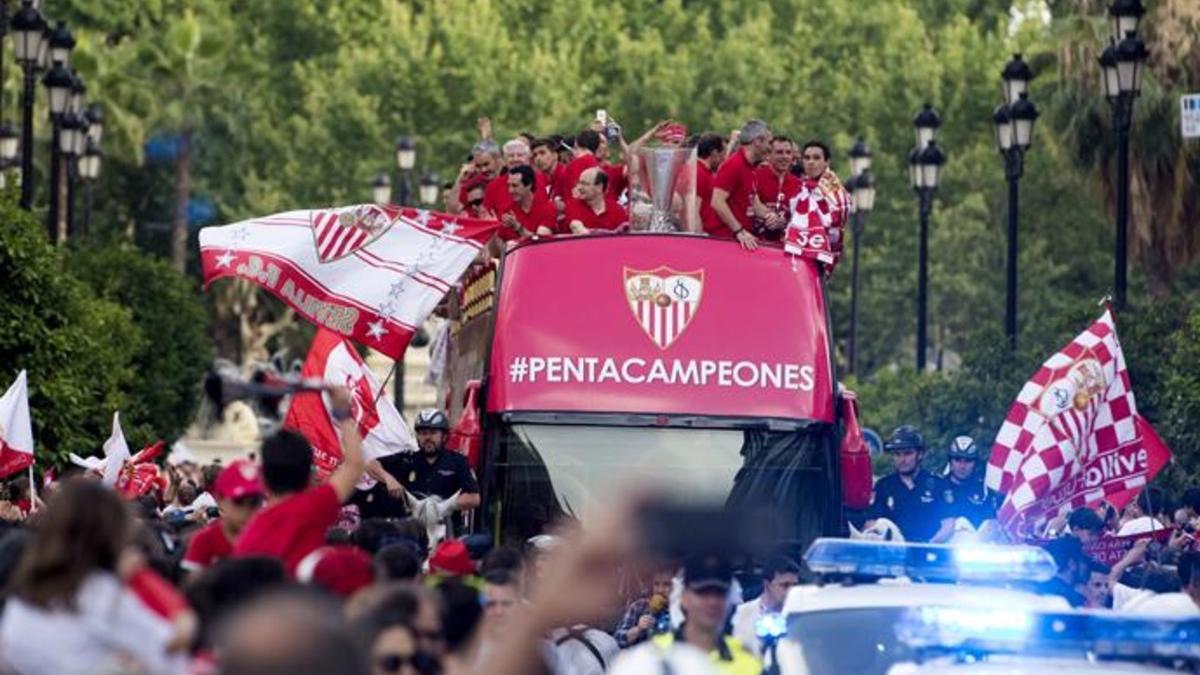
16 429
1073 436
333 360
368 272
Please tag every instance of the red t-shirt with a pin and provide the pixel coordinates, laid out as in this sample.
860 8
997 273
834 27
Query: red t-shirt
541 212
736 177
462 187
770 187
613 217
497 198
207 547
291 528
704 188
555 180
617 182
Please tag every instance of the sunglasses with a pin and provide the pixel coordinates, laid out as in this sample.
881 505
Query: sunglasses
249 500
392 663
475 202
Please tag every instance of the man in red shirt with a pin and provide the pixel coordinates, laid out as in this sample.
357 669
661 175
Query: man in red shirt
485 162
775 186
294 521
587 143
594 210
496 198
529 212
239 492
710 152
545 160
733 188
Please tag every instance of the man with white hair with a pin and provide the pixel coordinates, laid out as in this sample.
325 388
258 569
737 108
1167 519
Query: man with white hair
496 198
734 185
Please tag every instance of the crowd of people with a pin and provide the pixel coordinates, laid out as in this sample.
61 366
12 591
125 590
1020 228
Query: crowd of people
747 186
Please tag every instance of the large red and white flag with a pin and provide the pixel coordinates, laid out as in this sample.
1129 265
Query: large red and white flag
334 361
1073 436
368 272
16 428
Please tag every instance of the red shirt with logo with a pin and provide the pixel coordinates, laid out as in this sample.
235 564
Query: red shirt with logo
612 218
554 181
207 547
775 192
571 174
704 190
291 528
735 177
541 213
617 181
497 198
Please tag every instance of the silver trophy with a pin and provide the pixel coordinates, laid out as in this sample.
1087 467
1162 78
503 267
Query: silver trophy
665 188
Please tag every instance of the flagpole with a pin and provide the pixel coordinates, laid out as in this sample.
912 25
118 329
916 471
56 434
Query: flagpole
383 386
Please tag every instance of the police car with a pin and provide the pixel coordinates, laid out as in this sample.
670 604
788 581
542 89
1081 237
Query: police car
891 609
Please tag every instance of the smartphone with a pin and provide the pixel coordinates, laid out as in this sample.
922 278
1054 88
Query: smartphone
602 117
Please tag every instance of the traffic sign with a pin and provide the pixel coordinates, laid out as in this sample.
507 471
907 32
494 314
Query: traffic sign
1189 115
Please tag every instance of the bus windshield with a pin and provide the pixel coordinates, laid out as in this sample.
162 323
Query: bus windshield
548 472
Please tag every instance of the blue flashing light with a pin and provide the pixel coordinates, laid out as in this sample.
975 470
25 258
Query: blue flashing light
771 626
992 631
984 563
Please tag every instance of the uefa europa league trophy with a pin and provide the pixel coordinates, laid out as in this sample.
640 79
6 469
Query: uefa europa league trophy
665 182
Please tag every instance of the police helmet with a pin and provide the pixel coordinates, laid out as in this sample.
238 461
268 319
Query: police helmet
963 447
431 419
905 438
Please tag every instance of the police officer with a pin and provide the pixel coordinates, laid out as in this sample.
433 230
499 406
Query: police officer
434 470
968 497
914 499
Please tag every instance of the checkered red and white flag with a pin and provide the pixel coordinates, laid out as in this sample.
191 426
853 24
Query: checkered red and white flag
808 232
1073 436
368 272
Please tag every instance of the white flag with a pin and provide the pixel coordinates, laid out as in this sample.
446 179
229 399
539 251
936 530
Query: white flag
16 429
116 453
367 272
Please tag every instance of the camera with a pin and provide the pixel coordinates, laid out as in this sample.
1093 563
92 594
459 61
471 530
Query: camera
212 512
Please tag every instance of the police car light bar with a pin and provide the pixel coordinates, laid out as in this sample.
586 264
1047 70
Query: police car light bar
985 563
1105 636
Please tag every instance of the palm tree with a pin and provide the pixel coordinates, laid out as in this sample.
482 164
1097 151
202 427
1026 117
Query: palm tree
1164 198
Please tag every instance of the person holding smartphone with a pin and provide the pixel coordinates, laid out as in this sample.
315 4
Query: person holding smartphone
239 492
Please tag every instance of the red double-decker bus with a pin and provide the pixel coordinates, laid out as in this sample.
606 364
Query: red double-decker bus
675 362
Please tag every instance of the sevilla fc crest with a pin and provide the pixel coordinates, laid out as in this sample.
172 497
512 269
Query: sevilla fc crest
340 232
663 301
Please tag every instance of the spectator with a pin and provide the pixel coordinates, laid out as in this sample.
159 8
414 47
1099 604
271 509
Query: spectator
593 210
1149 512
451 559
710 152
583 650
289 632
707 581
342 570
1182 600
1097 591
1074 569
397 562
529 212
219 590
294 522
1190 502
372 534
775 186
503 559
69 610
780 574
386 633
239 490
206 499
648 616
1085 524
733 187
461 611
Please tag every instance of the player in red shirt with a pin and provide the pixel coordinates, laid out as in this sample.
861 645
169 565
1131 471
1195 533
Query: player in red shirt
710 152
529 212
775 186
496 198
594 210
733 188
485 163
545 160
294 521
587 144
239 492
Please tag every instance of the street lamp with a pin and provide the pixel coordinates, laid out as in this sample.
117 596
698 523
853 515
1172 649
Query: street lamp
95 117
72 143
925 166
89 171
58 81
862 188
1013 121
10 142
381 189
406 159
61 43
1121 63
429 188
27 28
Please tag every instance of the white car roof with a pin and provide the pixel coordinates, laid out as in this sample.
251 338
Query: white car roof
1028 666
902 593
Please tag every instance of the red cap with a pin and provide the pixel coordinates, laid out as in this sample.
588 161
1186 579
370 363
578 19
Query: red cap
341 569
452 557
242 478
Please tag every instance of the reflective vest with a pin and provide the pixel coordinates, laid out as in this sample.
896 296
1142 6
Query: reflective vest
730 656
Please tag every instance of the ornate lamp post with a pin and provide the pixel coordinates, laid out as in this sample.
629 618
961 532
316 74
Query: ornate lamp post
89 171
58 81
862 187
27 27
429 188
406 159
381 189
1013 121
925 164
1121 63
